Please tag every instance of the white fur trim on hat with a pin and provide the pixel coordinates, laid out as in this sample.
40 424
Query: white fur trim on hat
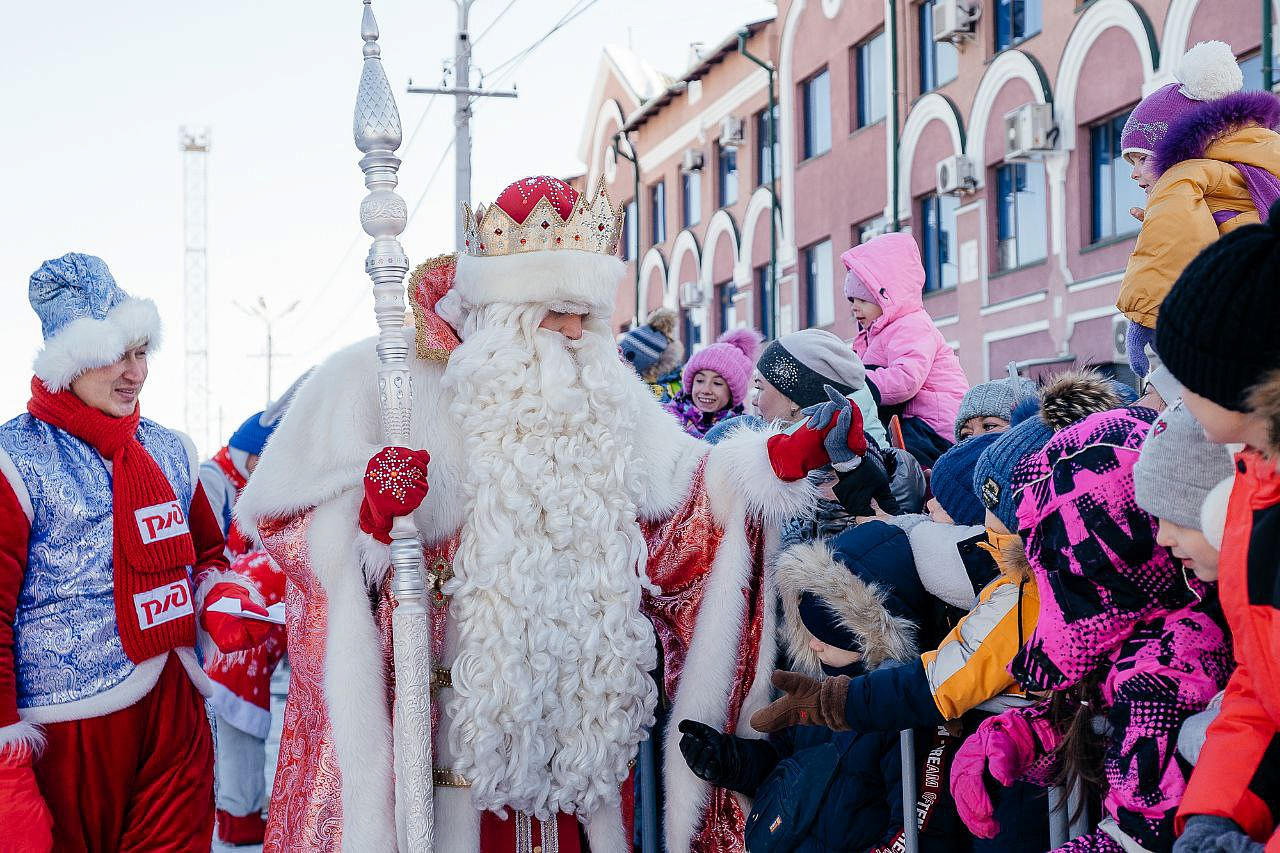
563 276
1213 512
86 343
1209 70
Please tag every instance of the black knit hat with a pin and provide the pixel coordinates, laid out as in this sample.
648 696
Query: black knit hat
1217 332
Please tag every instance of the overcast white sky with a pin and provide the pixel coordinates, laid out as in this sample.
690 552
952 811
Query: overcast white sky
93 95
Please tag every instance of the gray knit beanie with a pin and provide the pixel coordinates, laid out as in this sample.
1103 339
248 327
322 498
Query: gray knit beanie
1178 468
995 399
800 363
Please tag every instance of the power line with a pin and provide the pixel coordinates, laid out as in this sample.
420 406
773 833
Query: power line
513 62
430 181
509 66
351 306
493 23
311 301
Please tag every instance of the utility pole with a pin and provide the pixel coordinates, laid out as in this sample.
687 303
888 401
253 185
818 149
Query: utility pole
463 94
195 152
259 310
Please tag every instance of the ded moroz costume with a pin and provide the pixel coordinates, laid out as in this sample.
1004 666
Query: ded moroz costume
241 681
559 505
107 546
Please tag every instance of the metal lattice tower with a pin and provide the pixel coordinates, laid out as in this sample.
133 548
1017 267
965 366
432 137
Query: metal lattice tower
195 150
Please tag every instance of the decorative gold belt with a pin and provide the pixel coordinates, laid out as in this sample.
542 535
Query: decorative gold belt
444 777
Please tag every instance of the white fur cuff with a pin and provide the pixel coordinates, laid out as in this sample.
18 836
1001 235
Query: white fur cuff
739 468
19 740
546 277
86 343
375 559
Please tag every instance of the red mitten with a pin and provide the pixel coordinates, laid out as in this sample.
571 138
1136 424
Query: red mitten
832 435
28 826
395 484
232 633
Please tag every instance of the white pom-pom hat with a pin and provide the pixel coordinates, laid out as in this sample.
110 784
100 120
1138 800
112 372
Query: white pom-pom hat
1208 71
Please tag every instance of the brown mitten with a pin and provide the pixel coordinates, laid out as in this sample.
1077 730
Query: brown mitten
806 702
831 697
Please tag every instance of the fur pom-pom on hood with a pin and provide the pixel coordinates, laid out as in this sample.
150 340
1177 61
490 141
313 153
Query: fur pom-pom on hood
665 321
858 605
1074 395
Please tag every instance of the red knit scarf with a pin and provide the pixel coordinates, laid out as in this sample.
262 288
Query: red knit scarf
152 542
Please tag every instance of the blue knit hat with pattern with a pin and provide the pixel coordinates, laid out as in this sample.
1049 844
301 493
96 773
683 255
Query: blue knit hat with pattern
643 346
951 479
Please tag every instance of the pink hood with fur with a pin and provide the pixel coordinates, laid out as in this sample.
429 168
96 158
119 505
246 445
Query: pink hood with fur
905 354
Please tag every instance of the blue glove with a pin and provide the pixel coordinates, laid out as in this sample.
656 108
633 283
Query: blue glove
1212 834
844 442
1136 339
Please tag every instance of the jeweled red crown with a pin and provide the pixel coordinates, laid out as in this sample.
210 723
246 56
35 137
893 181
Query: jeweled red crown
543 214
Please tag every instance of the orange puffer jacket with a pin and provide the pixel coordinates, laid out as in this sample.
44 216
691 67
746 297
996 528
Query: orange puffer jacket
1238 772
1179 219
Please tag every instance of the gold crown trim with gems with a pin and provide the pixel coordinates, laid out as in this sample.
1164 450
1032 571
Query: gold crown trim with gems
594 226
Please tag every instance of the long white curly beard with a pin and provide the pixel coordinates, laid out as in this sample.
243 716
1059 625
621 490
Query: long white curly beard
551 686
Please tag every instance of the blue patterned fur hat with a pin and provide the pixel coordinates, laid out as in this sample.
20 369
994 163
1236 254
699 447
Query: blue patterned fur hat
86 319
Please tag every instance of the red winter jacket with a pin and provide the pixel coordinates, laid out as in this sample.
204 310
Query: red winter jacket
1238 773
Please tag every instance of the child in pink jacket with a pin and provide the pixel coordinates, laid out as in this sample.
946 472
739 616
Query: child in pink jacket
912 370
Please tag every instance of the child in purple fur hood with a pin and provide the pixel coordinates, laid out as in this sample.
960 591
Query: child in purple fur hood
1208 157
1122 633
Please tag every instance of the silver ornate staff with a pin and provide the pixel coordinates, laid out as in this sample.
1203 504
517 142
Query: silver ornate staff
383 215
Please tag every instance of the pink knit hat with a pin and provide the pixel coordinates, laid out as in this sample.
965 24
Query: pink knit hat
1207 71
733 356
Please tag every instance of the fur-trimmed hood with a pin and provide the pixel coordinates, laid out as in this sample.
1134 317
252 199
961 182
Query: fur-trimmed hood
859 605
1194 134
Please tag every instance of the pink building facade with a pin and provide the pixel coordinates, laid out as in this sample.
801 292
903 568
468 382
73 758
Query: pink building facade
1025 241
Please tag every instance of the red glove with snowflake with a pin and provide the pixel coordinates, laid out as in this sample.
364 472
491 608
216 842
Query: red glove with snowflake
831 436
27 823
229 632
395 484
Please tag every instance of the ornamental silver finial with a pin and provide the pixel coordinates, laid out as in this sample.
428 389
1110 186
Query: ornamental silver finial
377 121
383 216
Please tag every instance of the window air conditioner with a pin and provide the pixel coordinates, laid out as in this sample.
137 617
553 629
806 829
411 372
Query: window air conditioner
1119 344
692 161
956 175
1029 130
954 21
691 295
733 132
870 232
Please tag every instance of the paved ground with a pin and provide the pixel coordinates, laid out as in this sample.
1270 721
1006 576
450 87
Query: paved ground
279 686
